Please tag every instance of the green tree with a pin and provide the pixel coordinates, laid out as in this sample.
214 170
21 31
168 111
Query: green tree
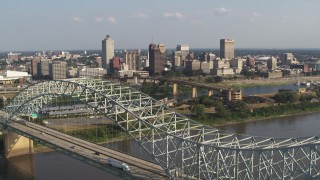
198 109
286 97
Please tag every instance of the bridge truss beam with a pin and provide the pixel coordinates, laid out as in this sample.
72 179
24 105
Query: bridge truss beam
182 147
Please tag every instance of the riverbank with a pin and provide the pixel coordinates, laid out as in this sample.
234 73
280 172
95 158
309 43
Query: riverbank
220 122
238 83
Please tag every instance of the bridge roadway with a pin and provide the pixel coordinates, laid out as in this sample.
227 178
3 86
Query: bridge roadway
140 169
178 81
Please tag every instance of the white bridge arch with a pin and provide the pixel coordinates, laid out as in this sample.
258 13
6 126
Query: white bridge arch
181 146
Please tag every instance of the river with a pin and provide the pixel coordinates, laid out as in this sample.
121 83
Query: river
266 89
49 166
55 165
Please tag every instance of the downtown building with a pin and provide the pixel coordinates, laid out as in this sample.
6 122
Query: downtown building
226 49
179 56
13 56
157 59
58 70
34 66
288 59
272 63
132 59
91 72
43 68
107 52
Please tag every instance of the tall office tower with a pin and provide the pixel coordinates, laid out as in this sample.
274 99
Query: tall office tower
176 59
44 69
272 63
34 66
58 70
179 56
156 58
107 52
131 58
226 48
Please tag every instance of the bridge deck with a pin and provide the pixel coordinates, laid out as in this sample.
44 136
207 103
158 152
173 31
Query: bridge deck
140 169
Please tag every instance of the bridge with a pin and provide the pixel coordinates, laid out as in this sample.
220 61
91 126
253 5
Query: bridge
227 93
179 146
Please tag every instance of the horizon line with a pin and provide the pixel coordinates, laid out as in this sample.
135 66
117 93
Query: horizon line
244 48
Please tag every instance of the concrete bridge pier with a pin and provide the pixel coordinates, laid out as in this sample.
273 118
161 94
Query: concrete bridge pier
194 92
175 89
210 92
15 144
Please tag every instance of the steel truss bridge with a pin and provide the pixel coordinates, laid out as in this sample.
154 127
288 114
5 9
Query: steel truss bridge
182 147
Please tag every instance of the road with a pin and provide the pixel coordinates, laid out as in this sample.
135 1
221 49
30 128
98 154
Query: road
86 151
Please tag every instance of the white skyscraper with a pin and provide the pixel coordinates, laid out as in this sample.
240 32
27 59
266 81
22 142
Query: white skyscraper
107 52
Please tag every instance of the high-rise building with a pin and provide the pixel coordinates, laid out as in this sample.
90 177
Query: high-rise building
115 64
44 68
156 58
226 48
250 61
179 56
272 63
34 66
58 70
131 59
107 52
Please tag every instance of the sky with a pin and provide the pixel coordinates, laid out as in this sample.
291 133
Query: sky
132 24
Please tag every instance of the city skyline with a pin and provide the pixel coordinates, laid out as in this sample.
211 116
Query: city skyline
53 25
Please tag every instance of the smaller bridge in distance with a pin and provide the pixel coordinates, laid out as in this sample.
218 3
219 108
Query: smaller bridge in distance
225 93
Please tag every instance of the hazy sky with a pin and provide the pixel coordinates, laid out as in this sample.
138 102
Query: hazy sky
82 24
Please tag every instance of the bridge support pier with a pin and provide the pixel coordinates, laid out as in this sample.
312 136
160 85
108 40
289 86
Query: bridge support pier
194 92
175 89
210 92
15 144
